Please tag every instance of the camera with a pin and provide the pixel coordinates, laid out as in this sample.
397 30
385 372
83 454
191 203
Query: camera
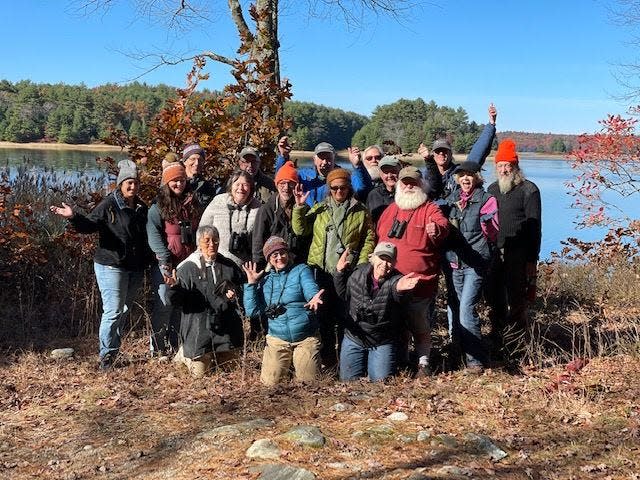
186 232
397 229
239 243
273 311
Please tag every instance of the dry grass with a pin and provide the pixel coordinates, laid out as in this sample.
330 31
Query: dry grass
64 419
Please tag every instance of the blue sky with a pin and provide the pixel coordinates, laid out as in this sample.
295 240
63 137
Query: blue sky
547 65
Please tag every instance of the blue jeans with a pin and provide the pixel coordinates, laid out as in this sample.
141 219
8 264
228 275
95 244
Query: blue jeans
118 287
356 361
165 318
464 320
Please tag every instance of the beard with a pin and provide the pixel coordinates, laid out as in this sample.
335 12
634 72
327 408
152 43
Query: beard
507 182
410 199
374 173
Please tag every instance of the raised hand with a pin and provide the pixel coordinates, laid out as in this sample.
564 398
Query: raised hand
354 155
284 147
251 270
343 261
493 114
423 151
300 195
315 301
408 282
64 211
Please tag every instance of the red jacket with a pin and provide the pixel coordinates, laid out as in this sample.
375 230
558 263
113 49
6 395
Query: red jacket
417 252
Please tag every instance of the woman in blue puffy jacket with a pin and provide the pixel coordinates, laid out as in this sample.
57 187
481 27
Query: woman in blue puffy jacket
287 296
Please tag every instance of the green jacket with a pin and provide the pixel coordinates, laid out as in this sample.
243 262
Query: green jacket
357 233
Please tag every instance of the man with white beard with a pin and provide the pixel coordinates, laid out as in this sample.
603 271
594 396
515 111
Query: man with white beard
512 279
371 158
417 227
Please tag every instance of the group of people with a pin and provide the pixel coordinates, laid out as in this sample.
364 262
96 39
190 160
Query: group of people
335 266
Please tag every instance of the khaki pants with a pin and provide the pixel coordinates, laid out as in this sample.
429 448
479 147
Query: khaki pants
201 365
279 355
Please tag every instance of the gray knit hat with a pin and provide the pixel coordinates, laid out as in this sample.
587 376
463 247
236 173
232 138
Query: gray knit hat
126 169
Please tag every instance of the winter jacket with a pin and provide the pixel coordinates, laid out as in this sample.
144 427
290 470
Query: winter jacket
443 185
378 199
374 317
209 322
265 186
165 238
122 235
357 232
204 190
230 219
316 185
272 219
291 289
467 244
417 251
520 219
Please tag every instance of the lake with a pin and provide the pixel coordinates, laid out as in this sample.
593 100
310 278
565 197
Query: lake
550 175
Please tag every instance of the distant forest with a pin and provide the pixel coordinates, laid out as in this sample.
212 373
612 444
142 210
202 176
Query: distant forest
74 114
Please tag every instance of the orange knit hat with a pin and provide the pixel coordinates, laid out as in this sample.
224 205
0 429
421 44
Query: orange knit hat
172 171
338 173
507 151
287 172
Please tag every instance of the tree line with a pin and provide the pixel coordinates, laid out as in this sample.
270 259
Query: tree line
74 114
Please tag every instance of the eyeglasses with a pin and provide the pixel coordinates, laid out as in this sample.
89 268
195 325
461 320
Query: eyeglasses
335 188
280 253
373 157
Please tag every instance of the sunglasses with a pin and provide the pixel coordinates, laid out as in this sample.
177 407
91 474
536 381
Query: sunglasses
373 157
339 187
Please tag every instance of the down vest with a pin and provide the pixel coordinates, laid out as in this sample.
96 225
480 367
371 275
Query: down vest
374 317
290 288
357 233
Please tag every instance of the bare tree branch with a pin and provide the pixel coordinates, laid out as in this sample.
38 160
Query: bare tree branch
238 19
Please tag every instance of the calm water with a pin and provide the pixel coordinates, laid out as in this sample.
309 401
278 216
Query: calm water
550 175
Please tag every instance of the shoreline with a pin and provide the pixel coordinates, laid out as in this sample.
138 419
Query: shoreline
411 157
61 146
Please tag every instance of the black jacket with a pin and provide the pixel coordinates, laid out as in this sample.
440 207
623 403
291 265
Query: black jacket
374 319
209 322
122 232
378 200
271 219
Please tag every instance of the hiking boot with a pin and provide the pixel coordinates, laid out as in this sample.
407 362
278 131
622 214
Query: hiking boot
423 372
106 362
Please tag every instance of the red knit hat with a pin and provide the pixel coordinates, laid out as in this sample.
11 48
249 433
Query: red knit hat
507 151
172 171
287 172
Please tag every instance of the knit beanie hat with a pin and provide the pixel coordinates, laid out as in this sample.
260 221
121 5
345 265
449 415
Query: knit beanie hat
338 173
126 169
172 171
273 244
507 151
287 172
169 158
191 149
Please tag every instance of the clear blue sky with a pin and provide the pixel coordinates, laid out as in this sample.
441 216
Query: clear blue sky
548 65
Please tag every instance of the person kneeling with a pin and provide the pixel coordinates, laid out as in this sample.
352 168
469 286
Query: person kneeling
205 288
374 293
288 296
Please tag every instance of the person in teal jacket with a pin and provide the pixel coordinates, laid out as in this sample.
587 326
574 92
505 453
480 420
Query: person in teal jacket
288 296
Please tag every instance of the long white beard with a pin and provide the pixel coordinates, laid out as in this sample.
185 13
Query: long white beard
411 199
374 173
505 184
